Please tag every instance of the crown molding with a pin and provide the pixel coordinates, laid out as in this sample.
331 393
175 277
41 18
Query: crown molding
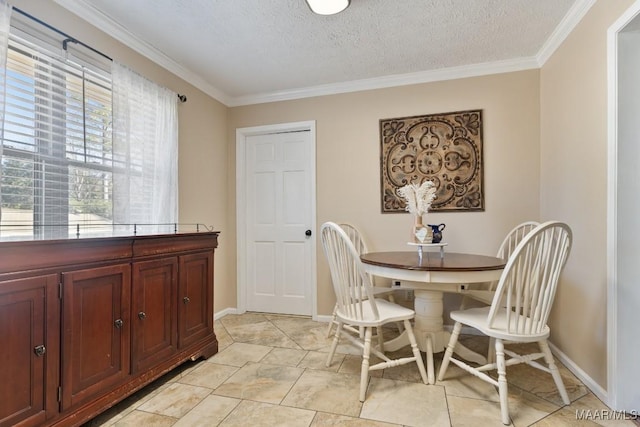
451 73
93 16
562 31
96 18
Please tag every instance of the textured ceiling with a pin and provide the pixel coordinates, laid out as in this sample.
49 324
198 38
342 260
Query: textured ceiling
247 49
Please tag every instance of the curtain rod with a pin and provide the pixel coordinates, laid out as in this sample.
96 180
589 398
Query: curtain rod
69 39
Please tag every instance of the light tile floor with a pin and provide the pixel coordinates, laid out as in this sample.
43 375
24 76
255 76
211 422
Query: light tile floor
270 371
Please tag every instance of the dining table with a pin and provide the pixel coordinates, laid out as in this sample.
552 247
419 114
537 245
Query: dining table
430 275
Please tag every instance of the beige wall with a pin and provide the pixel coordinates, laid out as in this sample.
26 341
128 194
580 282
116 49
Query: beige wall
202 135
348 158
573 94
557 114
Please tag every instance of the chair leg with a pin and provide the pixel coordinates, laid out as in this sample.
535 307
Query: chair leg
502 382
364 370
332 321
334 345
447 354
555 373
491 354
418 355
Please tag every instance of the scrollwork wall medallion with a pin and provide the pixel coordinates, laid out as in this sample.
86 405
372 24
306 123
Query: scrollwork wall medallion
444 148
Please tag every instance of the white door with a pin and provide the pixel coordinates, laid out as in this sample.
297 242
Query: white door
279 222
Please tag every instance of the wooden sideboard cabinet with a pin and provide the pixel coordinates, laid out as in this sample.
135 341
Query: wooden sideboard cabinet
86 322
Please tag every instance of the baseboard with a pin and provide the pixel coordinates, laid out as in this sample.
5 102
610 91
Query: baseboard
219 315
595 388
322 318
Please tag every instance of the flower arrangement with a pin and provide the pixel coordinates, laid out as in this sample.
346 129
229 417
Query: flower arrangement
418 198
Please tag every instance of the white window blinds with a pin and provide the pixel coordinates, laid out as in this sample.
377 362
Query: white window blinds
57 148
59 170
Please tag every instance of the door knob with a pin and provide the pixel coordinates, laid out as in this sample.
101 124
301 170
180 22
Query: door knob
307 233
40 350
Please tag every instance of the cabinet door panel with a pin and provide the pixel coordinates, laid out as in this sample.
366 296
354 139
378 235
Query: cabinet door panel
96 325
195 315
29 349
154 312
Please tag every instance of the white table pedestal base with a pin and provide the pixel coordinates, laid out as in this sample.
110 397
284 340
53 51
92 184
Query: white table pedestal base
429 308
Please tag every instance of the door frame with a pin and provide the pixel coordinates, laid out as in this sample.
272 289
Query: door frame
613 328
241 206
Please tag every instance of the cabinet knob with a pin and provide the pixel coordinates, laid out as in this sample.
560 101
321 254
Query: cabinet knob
118 323
39 350
186 300
142 315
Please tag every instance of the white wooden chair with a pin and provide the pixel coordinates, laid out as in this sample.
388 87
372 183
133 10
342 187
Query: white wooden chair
358 307
519 310
361 247
486 291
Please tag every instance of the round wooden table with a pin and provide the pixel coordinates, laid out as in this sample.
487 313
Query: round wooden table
430 275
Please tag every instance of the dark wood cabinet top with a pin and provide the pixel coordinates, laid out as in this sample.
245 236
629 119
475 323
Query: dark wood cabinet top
432 261
17 256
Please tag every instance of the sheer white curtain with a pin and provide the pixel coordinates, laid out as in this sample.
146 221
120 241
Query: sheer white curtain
5 17
145 150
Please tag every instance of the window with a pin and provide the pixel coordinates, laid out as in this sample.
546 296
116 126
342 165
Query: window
86 145
56 141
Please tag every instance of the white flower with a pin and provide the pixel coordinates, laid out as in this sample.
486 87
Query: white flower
418 198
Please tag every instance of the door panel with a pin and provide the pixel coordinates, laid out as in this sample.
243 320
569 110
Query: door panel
279 200
264 268
96 324
294 210
154 312
29 350
265 190
195 298
293 278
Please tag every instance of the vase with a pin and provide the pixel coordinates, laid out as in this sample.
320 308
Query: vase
421 233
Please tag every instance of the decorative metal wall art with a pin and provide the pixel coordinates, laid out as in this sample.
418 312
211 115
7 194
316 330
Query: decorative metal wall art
443 148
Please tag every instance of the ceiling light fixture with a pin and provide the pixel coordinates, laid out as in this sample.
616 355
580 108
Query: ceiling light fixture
328 7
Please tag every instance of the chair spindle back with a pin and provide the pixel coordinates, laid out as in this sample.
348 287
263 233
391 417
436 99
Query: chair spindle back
514 237
528 284
350 283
